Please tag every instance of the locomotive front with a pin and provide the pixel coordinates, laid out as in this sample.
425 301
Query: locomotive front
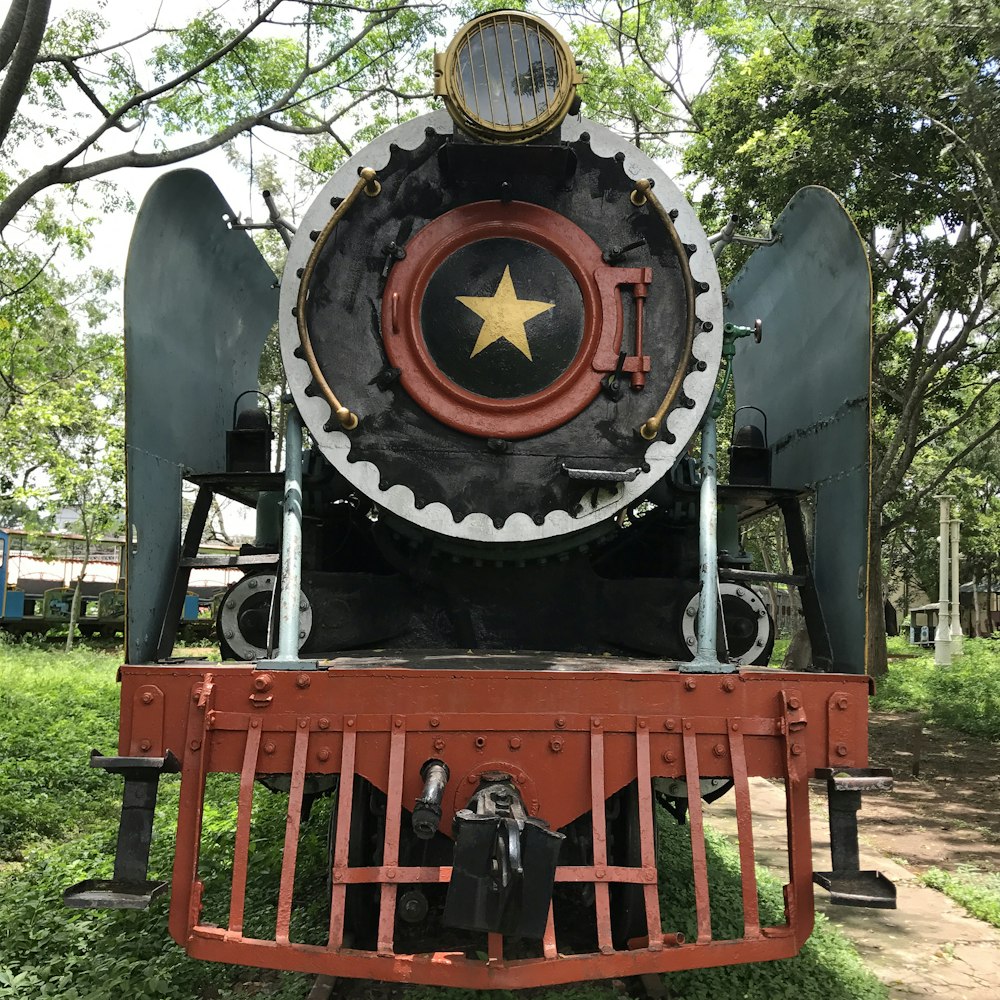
493 610
505 337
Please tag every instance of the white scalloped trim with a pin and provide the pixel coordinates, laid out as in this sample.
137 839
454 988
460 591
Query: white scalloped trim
519 527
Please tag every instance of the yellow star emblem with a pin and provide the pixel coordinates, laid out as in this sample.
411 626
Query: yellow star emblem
503 315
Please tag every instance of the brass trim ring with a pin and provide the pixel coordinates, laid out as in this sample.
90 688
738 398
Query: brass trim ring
485 124
367 183
642 194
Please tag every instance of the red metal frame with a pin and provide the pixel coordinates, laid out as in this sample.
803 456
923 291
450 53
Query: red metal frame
571 752
524 416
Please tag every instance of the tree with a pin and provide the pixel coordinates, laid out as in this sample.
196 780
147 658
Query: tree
911 549
894 107
73 455
94 104
648 62
47 355
87 471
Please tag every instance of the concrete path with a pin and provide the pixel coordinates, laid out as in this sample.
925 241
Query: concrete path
927 947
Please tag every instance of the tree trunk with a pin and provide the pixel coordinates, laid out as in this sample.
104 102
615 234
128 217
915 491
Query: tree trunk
876 652
975 606
989 601
74 611
74 608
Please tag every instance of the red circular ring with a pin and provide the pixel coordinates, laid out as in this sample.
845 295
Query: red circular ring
402 334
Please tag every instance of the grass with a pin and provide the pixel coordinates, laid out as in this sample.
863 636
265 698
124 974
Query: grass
964 696
58 825
977 892
778 652
54 708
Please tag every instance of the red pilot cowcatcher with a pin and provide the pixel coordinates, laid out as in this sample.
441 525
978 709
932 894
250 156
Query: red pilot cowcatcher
503 318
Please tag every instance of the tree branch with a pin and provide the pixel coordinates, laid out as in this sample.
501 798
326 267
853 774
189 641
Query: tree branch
22 62
10 30
47 57
10 292
919 497
67 63
939 432
60 173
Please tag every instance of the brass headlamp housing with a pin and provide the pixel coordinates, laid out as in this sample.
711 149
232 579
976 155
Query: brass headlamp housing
507 77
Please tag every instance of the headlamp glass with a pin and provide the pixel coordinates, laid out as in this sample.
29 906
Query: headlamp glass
508 77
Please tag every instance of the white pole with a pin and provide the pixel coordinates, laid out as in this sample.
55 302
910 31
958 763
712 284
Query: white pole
956 577
942 638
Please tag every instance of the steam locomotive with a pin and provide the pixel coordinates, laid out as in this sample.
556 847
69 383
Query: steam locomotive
495 606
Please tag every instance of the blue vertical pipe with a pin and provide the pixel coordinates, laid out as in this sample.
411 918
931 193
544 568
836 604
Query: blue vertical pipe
291 542
708 556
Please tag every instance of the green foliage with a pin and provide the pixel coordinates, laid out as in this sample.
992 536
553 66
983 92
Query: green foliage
61 415
906 687
104 955
978 892
60 393
291 66
53 710
964 696
912 549
620 91
644 62
892 107
779 651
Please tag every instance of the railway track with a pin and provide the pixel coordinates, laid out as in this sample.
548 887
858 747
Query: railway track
322 988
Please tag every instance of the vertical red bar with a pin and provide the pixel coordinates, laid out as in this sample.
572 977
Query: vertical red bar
799 905
600 828
494 948
390 854
800 902
290 853
549 940
341 846
647 842
699 863
744 828
244 813
185 896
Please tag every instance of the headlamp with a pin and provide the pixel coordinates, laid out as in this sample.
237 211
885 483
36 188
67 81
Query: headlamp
507 77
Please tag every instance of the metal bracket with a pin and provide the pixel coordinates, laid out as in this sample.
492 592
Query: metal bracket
607 358
182 574
504 864
129 889
603 475
847 884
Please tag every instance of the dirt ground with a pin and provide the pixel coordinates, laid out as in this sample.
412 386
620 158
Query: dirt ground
945 808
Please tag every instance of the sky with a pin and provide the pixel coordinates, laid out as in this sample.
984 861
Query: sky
112 234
